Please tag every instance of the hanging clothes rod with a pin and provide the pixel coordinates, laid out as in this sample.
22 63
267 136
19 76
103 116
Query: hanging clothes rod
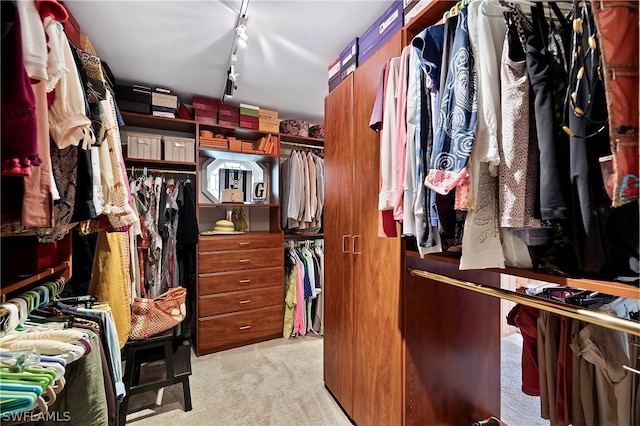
594 317
150 170
301 145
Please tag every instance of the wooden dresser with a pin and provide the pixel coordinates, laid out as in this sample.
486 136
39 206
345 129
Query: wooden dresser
240 290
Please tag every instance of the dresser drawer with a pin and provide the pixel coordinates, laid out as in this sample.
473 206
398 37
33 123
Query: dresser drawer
236 260
240 328
240 242
216 304
222 282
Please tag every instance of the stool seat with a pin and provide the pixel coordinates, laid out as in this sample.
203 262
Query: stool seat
175 353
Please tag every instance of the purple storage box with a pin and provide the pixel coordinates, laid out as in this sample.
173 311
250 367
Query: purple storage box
333 83
389 23
344 72
350 54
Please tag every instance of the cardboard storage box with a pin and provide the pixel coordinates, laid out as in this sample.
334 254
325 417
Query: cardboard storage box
179 149
228 110
203 119
268 115
269 126
86 45
250 110
134 98
334 68
200 103
164 100
144 145
389 23
228 123
249 122
350 54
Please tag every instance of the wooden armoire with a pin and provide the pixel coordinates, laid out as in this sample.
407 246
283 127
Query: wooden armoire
363 275
363 338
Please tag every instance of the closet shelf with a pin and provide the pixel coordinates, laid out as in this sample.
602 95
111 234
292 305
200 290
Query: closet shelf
25 281
606 287
237 205
303 236
237 132
284 138
142 162
237 156
161 123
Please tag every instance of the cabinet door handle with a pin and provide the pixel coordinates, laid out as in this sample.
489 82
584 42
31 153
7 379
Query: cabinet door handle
244 281
244 261
344 237
244 243
244 327
244 302
353 244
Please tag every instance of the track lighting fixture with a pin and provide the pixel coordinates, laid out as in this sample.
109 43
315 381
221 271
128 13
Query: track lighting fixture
229 88
241 31
233 76
239 39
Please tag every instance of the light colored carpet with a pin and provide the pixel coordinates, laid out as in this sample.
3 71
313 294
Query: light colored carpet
517 408
278 382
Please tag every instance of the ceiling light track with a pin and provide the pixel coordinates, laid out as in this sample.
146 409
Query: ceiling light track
240 38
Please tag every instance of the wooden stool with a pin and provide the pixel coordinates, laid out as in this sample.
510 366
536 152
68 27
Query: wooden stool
156 348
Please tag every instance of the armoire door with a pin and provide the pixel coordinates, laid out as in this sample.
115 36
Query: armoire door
338 211
377 275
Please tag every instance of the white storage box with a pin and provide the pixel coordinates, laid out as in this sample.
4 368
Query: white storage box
144 145
179 149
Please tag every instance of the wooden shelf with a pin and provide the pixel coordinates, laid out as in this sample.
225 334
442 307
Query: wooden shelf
142 162
284 138
430 14
607 287
252 205
161 123
231 155
303 236
26 280
237 132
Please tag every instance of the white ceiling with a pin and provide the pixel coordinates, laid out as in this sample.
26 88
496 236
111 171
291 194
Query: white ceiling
185 46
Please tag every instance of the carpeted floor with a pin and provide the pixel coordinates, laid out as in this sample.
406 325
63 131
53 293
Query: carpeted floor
278 382
517 408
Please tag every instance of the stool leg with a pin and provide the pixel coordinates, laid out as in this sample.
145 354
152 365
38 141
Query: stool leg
168 360
186 391
127 379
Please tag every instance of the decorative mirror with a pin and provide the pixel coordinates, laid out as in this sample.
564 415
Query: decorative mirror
219 174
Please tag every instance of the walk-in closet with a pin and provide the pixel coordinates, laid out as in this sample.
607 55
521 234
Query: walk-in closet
270 212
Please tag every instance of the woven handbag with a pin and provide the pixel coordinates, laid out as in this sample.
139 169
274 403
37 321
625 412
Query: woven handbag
150 317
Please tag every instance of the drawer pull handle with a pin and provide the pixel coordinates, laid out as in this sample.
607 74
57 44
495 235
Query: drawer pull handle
244 243
244 327
244 281
243 261
244 302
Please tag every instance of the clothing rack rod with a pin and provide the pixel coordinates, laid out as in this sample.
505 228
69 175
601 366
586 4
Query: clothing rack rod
301 145
598 318
633 370
175 172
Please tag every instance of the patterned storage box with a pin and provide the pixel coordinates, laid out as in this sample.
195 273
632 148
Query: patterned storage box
317 131
294 127
144 145
179 149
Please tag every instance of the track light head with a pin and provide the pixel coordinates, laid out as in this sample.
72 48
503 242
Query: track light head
229 88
